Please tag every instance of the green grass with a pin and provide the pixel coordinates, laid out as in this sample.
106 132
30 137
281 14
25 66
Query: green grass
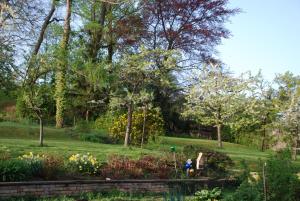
23 138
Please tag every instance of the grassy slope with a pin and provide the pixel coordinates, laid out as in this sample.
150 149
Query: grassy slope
21 138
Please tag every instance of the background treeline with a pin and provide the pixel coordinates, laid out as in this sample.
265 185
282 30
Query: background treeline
137 69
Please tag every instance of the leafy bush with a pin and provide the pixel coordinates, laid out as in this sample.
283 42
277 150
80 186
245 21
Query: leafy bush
247 192
208 195
14 170
98 136
86 164
147 167
216 164
281 178
104 122
44 166
83 126
153 128
160 168
282 183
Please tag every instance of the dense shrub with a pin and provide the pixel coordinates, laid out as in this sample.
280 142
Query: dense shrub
154 126
83 126
14 170
216 164
104 122
247 192
147 167
281 182
98 136
281 177
44 166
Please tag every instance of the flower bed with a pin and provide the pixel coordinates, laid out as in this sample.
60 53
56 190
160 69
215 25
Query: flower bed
78 166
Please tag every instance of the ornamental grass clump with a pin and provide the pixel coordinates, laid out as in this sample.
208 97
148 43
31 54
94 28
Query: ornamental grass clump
14 170
84 163
35 163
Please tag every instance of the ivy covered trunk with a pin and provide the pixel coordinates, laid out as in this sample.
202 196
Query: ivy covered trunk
129 123
60 77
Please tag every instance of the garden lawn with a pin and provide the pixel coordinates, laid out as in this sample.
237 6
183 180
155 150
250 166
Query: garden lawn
23 138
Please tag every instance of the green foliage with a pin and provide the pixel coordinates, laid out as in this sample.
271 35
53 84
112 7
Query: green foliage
136 74
255 123
97 136
44 166
247 192
22 110
104 122
35 163
7 76
14 170
83 126
281 182
35 101
112 195
208 195
281 178
153 128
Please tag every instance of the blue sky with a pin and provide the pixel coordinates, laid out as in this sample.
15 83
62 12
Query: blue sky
266 35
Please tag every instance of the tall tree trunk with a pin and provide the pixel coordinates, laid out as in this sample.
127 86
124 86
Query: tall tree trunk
74 121
41 131
60 77
87 114
39 42
129 123
31 80
110 47
263 143
144 125
96 36
47 21
219 127
295 144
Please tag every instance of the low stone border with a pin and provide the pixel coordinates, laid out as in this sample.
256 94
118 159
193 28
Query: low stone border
75 187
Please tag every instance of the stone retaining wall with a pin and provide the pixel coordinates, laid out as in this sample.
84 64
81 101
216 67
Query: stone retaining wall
57 188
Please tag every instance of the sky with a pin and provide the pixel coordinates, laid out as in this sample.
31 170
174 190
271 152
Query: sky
265 35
